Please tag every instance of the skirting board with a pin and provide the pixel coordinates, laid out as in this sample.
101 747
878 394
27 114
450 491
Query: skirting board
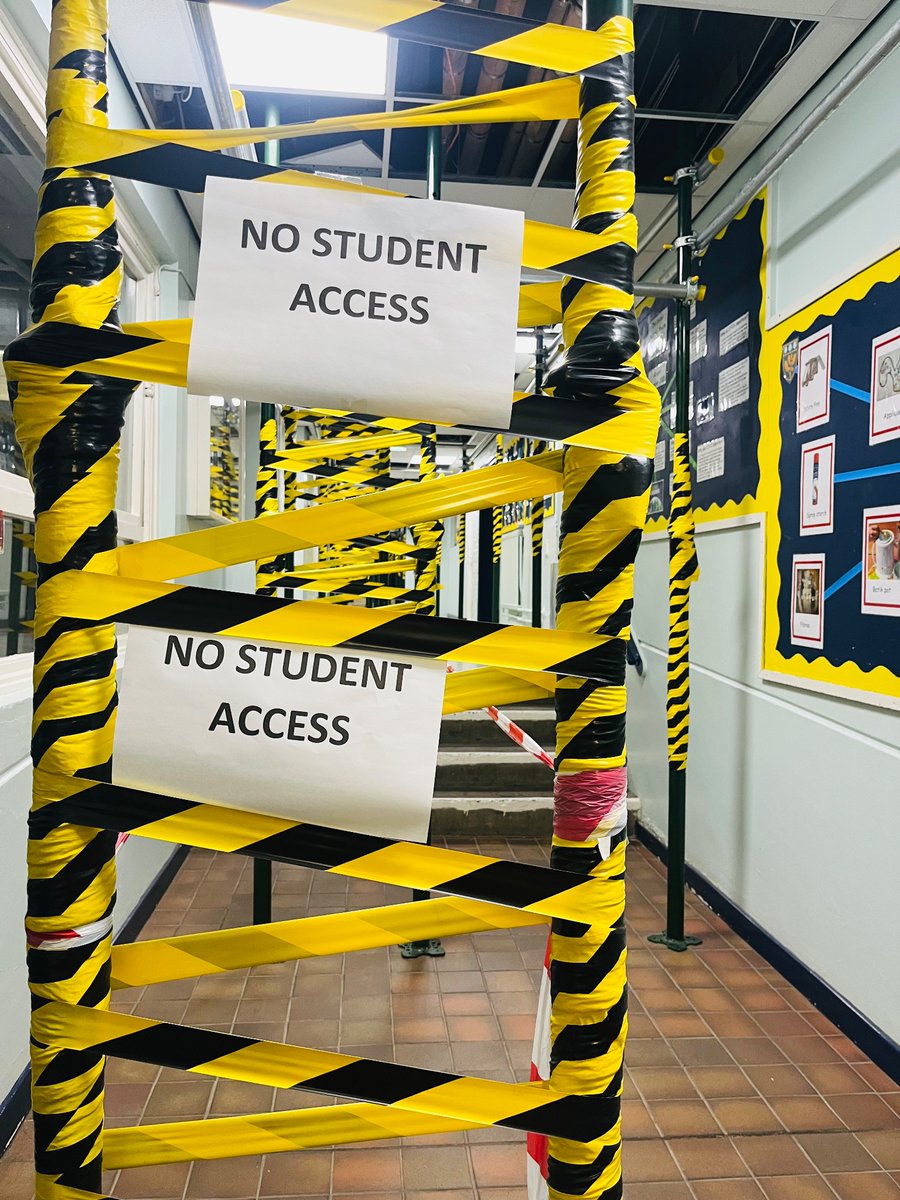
874 1042
15 1107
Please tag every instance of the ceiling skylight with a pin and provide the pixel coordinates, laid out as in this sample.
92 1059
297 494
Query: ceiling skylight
264 51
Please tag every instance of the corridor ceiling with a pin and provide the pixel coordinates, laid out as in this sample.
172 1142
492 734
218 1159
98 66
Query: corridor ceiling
708 72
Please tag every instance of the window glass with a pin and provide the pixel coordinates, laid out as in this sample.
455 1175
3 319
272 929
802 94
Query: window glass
127 465
13 318
17 568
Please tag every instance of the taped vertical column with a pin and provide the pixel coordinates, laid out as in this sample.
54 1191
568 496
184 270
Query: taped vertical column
427 536
605 497
683 571
267 491
536 521
68 424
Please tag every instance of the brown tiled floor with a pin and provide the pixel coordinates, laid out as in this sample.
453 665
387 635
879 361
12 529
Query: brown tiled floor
736 1088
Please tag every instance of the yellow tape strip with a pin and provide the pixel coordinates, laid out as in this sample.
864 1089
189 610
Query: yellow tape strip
225 1056
77 144
267 1133
165 959
86 596
322 449
301 529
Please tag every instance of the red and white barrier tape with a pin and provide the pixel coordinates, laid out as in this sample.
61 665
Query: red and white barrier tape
519 736
517 733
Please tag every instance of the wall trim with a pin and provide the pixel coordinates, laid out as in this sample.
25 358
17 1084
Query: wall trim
874 1042
16 1106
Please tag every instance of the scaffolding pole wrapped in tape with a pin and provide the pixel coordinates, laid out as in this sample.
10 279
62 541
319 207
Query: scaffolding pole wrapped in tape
605 498
68 424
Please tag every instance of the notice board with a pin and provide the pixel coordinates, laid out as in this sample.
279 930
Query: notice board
831 480
726 341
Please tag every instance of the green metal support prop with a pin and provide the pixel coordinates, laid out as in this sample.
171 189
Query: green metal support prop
683 566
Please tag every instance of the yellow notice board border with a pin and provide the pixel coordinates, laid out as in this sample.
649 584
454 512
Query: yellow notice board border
878 685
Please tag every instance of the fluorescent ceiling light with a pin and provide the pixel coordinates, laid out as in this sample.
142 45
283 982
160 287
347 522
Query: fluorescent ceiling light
264 51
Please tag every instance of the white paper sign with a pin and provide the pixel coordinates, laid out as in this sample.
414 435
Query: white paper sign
734 385
814 380
881 561
817 487
659 333
398 307
884 412
808 600
732 335
698 342
657 375
711 459
338 738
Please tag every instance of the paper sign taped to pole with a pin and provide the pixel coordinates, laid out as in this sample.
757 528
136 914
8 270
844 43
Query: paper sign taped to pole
398 307
336 738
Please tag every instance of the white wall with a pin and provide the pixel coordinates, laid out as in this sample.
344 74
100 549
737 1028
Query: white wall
833 205
793 808
793 804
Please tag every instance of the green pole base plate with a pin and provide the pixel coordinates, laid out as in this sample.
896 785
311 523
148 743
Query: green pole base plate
679 944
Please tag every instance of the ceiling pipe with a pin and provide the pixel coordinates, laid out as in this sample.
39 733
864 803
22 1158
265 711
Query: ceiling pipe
561 12
807 127
490 79
822 111
220 102
454 69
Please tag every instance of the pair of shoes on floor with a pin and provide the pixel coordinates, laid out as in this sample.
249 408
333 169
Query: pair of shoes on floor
432 948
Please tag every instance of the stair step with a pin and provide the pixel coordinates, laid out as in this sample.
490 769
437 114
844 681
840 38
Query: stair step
462 814
477 729
496 771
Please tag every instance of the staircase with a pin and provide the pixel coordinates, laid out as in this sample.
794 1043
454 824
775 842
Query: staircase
486 785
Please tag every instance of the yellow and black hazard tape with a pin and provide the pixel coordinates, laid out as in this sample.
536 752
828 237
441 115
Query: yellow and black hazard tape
325 475
684 570
163 960
623 423
550 100
534 1108
268 1133
580 253
85 596
518 39
539 890
468 690
324 449
370 589
359 517
267 499
359 567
